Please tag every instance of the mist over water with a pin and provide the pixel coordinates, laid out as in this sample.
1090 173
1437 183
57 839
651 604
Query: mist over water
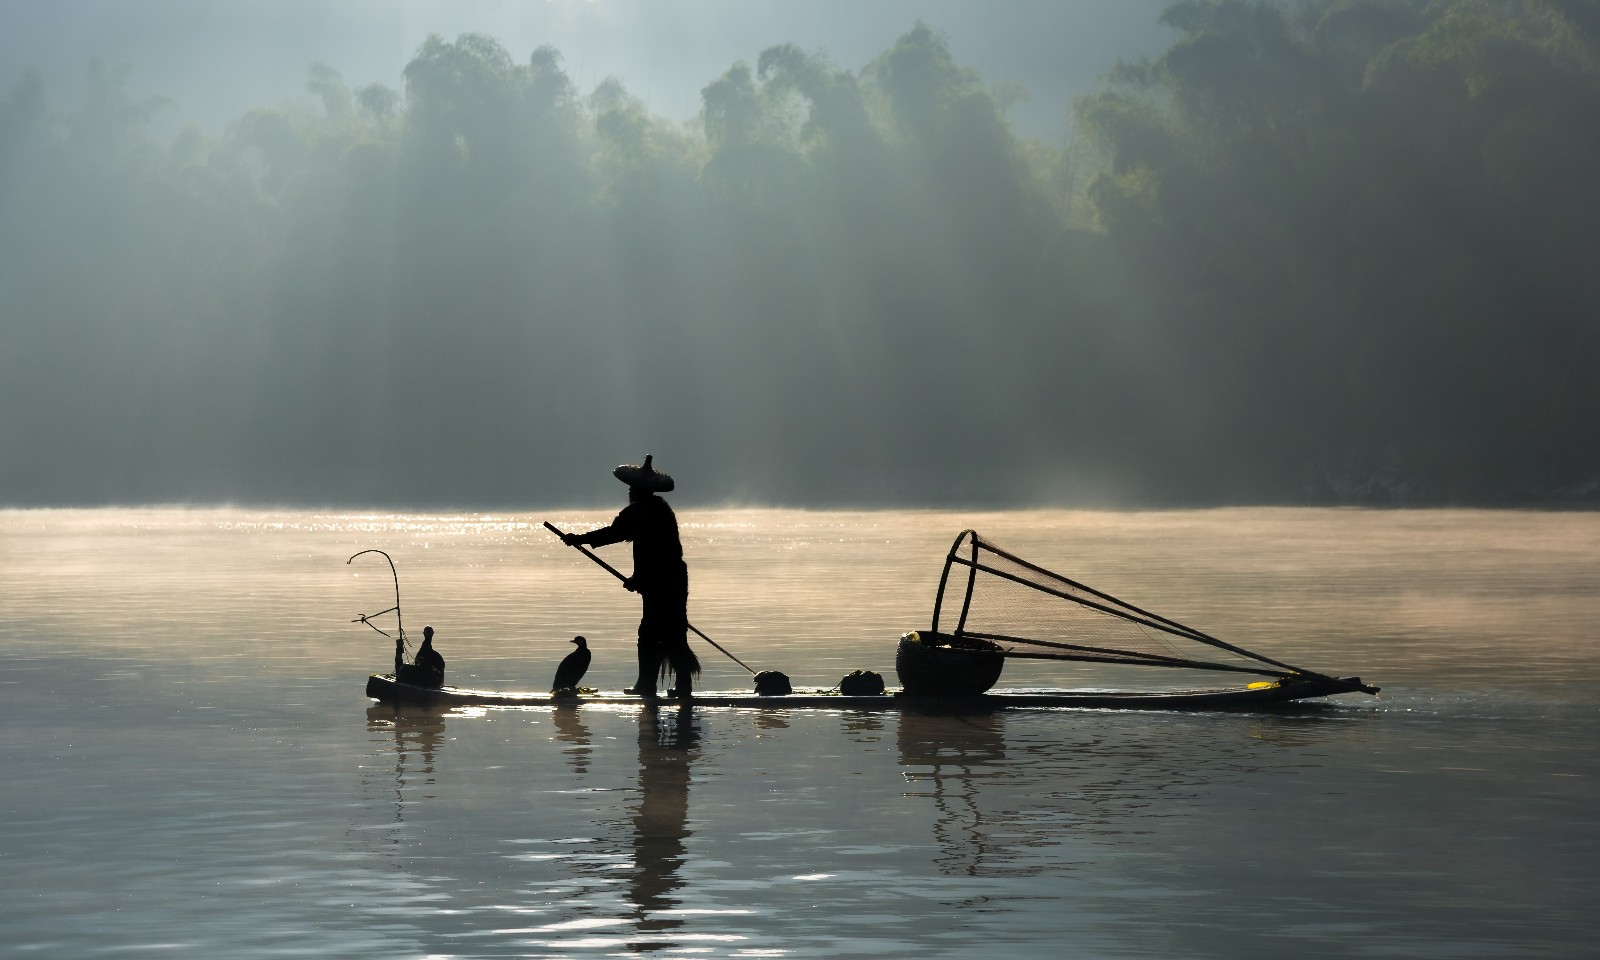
193 771
1297 252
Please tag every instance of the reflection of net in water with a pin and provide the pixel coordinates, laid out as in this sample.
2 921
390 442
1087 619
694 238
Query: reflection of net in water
988 593
1024 793
943 758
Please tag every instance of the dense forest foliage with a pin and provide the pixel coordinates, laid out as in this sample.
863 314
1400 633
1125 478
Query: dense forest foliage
1321 251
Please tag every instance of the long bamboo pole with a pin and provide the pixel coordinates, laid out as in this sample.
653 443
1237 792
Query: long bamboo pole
618 574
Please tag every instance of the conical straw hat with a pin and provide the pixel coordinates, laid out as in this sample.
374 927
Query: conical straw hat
644 476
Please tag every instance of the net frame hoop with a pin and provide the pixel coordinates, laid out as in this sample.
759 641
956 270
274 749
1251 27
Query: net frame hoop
1122 609
944 578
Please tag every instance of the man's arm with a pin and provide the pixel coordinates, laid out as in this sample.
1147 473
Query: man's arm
620 529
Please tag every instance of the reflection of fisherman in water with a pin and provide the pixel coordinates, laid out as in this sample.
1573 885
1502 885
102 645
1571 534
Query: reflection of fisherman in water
659 577
661 820
426 669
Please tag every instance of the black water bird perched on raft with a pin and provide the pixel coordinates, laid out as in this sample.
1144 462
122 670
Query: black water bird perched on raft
427 668
572 668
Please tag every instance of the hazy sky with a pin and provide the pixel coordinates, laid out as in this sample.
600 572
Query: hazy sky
217 58
1278 277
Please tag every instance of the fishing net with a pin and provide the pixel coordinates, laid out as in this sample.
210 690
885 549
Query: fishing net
990 594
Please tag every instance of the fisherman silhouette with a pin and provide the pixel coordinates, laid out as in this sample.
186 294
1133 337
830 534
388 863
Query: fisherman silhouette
572 668
426 669
659 577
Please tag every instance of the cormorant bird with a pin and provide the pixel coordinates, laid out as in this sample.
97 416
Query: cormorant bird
426 669
572 668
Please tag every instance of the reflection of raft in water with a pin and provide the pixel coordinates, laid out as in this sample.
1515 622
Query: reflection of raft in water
1003 608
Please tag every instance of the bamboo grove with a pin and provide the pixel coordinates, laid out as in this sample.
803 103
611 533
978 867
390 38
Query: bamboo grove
1323 251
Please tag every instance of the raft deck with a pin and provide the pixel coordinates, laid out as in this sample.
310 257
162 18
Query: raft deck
385 688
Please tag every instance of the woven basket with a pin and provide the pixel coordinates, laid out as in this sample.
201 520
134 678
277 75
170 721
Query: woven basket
936 664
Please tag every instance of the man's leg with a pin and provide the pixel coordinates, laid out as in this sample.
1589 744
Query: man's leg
649 666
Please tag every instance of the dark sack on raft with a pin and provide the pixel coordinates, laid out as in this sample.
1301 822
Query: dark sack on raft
771 683
862 683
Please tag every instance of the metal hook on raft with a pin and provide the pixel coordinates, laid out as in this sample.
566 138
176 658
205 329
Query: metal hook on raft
399 641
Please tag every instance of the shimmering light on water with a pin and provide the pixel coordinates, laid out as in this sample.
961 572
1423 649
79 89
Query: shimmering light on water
192 770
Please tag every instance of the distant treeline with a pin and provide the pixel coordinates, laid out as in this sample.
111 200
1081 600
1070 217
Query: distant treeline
1325 251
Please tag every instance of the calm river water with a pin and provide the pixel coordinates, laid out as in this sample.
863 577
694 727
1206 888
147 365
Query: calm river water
191 768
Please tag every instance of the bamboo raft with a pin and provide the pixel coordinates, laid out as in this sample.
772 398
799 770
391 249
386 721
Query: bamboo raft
992 607
386 689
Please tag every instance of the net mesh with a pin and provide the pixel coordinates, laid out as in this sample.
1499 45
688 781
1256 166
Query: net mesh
989 593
